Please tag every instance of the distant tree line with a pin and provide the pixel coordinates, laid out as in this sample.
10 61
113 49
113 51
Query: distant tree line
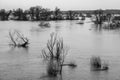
37 13
4 14
107 20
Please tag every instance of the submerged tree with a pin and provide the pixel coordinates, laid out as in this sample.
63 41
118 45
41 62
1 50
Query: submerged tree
44 24
97 64
109 17
99 16
55 53
17 39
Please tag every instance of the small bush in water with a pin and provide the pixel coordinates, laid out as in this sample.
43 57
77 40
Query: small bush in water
96 64
44 24
17 39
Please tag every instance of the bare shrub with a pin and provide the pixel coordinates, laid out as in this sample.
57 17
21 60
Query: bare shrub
55 48
55 52
96 64
44 24
17 39
112 25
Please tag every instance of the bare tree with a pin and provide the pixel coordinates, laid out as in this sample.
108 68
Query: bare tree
17 39
55 53
55 48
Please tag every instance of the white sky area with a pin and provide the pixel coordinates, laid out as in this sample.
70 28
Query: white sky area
62 4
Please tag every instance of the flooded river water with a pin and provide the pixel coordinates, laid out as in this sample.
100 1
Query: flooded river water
84 41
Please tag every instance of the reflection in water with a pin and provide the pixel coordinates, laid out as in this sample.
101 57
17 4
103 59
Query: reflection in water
57 28
17 54
97 27
46 77
99 75
52 71
37 29
95 75
21 49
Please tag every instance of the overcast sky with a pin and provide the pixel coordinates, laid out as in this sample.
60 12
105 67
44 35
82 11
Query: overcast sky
62 4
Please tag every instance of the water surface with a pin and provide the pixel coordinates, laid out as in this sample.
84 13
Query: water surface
83 41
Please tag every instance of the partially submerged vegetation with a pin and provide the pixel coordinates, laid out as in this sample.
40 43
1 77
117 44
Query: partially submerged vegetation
55 54
113 24
106 20
44 24
97 65
99 17
81 22
17 39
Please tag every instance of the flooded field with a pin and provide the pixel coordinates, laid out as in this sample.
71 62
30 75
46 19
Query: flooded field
84 41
